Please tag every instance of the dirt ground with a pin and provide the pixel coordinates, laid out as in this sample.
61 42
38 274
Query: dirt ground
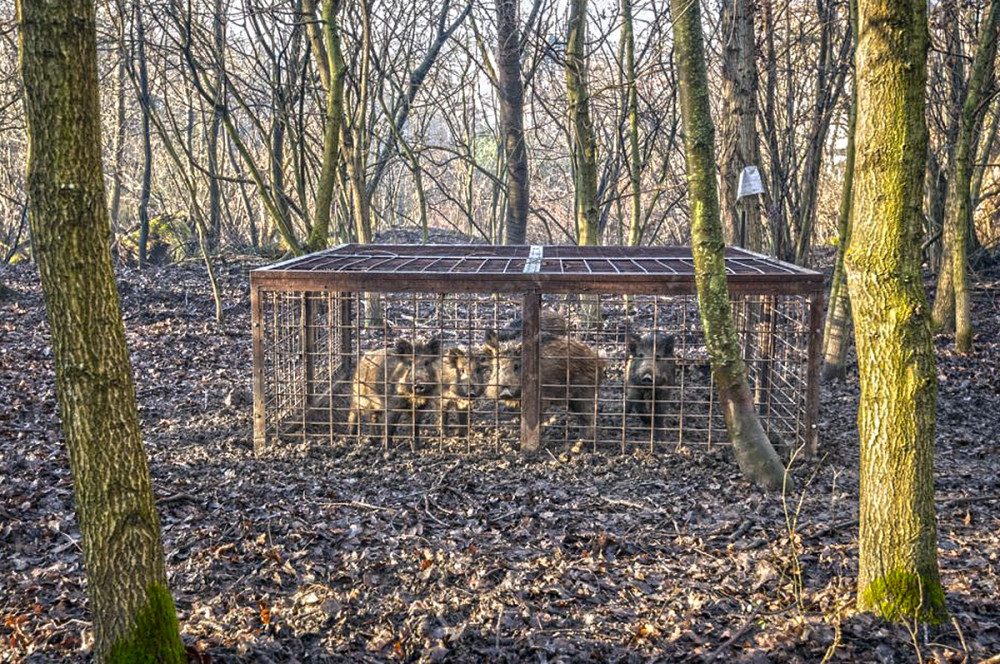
322 554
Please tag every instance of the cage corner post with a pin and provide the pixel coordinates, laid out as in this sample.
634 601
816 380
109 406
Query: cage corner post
257 325
308 332
530 373
812 372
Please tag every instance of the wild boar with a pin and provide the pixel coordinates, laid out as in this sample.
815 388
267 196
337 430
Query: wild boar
463 379
549 322
650 370
570 373
396 385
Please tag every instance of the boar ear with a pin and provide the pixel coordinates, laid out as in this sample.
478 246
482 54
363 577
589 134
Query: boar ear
492 341
453 355
403 347
434 345
668 344
633 342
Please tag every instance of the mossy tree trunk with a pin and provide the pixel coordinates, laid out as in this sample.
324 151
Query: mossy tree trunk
838 317
584 143
740 147
133 613
753 450
334 121
898 571
958 210
511 93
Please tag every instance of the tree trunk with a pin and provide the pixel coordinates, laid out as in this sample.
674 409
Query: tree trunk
898 572
147 148
740 147
511 93
632 105
775 198
584 144
943 312
753 450
838 317
958 210
119 147
331 132
132 610
215 128
829 85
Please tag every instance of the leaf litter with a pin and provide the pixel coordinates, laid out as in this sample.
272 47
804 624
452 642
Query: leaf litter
313 553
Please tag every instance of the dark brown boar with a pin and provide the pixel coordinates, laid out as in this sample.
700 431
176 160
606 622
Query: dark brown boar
650 371
552 323
463 379
396 386
571 372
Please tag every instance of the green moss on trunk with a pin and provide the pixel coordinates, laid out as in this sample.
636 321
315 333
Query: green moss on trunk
902 595
897 543
154 638
753 450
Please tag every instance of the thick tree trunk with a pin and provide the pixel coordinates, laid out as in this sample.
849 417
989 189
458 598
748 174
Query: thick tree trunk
511 92
838 317
584 144
331 131
740 147
753 450
132 610
958 210
898 572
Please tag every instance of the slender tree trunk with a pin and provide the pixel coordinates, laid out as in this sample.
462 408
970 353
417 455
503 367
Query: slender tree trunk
958 209
354 146
776 209
829 86
119 146
511 93
740 147
215 128
838 317
133 613
147 148
331 132
632 106
753 450
943 312
584 144
898 571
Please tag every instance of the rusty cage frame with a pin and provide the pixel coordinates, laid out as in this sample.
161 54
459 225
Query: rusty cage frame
336 279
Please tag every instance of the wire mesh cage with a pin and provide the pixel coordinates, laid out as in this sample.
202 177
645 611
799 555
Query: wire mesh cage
458 347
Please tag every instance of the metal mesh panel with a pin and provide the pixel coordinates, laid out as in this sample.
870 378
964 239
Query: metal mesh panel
443 370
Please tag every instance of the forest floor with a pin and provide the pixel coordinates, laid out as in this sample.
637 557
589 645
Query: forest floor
318 554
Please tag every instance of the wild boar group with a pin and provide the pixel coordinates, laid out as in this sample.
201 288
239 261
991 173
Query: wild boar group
397 387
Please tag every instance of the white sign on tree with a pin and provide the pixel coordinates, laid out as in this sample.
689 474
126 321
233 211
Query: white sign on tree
750 183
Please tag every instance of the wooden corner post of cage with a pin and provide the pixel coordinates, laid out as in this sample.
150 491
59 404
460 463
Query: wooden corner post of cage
257 324
345 301
812 372
308 332
530 373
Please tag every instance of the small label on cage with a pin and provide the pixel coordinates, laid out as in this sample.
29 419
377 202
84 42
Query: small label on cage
534 263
